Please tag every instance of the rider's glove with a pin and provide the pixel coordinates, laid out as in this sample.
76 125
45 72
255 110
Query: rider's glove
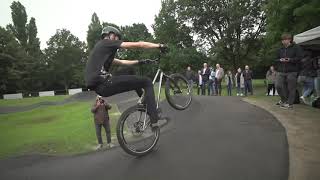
163 48
145 61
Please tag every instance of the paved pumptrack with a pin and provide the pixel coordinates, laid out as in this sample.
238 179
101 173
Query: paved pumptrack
220 138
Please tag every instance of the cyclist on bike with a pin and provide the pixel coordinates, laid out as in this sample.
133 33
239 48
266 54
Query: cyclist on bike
102 55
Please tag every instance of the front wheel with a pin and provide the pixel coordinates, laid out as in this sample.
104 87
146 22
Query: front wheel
134 132
178 92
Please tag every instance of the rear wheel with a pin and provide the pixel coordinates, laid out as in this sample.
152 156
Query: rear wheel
134 132
178 92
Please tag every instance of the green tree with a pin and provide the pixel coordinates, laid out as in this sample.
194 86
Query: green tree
229 30
65 59
33 48
94 31
291 16
26 35
11 56
169 29
19 19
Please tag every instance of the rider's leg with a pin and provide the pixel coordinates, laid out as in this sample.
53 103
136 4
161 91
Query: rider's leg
126 83
139 91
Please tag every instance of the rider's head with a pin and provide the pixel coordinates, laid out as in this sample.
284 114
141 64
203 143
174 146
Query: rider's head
110 32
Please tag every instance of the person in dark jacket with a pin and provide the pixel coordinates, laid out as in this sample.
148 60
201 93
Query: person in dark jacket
287 67
205 72
190 76
248 76
229 82
101 118
307 74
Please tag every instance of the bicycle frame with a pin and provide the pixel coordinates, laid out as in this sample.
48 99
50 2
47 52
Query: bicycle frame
159 72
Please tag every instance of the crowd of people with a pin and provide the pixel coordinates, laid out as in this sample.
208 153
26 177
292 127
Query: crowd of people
292 67
209 80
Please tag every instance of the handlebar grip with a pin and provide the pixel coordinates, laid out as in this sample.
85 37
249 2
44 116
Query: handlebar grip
148 61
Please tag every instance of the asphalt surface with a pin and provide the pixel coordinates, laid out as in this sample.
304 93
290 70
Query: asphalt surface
215 138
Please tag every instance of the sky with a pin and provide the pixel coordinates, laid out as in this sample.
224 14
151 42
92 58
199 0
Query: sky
75 15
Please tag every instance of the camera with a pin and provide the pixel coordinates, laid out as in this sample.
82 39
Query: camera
101 100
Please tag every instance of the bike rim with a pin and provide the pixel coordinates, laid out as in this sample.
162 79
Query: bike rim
180 92
137 136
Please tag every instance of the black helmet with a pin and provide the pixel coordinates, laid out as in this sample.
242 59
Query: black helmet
110 29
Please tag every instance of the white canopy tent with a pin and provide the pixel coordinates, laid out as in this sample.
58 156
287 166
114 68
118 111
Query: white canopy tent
309 39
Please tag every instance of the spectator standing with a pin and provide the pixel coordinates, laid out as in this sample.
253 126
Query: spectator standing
190 77
228 79
316 101
247 75
307 74
239 82
287 67
219 76
212 82
271 79
205 72
199 82
317 79
101 118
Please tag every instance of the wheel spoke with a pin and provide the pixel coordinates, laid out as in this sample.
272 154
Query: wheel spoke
138 138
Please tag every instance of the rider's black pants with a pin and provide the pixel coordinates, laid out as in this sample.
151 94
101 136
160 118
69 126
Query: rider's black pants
124 83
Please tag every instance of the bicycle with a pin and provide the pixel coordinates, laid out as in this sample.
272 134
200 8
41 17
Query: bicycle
134 131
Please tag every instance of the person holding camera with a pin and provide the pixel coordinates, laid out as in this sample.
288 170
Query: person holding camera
287 66
101 118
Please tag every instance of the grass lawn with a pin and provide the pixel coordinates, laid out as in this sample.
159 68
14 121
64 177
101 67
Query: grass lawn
30 100
63 129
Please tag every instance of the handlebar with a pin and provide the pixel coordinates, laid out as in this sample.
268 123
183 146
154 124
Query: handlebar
163 50
151 61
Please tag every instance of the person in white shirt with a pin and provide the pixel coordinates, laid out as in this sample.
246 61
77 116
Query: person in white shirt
199 81
219 77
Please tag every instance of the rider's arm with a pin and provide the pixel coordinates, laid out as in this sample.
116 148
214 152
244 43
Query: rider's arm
146 45
125 62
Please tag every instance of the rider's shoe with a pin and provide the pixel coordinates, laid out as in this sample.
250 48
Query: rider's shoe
161 121
154 126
